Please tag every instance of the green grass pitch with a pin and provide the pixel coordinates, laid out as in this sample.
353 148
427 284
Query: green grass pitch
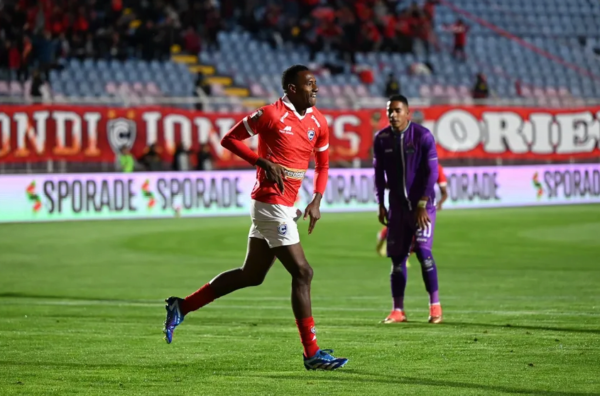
81 309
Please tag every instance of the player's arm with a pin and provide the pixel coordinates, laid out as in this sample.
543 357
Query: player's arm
320 179
443 183
430 162
244 129
380 183
321 171
234 140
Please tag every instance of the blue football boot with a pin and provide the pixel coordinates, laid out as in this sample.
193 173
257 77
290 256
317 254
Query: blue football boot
174 317
324 361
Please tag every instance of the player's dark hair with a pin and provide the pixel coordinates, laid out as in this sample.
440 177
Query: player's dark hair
290 75
399 98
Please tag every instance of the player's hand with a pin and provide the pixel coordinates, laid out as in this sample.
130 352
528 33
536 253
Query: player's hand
439 206
383 215
423 220
273 171
313 211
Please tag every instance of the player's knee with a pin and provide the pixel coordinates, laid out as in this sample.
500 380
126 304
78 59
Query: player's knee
305 273
425 257
398 264
253 278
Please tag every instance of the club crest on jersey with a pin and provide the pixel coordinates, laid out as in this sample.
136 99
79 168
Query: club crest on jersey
311 135
256 115
282 229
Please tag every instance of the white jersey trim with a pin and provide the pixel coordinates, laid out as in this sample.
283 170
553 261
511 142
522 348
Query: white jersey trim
323 148
247 126
289 105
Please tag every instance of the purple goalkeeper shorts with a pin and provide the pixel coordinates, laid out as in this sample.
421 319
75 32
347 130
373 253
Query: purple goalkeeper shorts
402 231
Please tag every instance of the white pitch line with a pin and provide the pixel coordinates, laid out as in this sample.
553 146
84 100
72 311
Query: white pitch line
157 304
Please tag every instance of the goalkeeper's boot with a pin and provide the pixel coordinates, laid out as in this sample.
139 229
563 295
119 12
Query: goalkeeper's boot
396 316
174 317
323 360
435 313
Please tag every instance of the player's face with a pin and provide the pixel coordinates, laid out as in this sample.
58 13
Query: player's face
398 114
306 89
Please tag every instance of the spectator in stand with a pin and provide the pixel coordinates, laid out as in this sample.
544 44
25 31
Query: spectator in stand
347 22
191 39
202 88
212 25
460 30
4 69
429 19
14 60
37 83
481 89
25 60
429 9
330 35
151 160
204 159
45 49
182 158
392 86
404 29
125 160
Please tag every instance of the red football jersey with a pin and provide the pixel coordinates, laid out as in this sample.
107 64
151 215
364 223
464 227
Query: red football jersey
288 139
441 176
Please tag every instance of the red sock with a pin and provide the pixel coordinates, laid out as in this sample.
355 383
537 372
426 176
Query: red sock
308 336
198 299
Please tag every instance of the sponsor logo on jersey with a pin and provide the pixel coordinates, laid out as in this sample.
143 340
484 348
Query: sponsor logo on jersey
287 130
311 135
294 173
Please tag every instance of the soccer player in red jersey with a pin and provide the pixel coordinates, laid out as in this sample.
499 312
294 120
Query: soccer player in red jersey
442 182
289 132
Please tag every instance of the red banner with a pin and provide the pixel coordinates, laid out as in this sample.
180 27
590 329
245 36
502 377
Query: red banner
515 133
76 133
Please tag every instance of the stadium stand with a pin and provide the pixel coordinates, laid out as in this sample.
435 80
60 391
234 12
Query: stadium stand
545 49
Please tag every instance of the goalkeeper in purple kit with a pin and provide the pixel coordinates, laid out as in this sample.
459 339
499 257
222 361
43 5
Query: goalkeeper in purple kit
405 159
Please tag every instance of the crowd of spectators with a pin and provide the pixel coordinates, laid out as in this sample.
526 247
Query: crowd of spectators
42 34
346 26
37 36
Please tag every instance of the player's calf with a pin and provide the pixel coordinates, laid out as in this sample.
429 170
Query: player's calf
430 278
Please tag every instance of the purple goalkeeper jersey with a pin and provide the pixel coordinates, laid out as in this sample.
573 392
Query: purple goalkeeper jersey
406 162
